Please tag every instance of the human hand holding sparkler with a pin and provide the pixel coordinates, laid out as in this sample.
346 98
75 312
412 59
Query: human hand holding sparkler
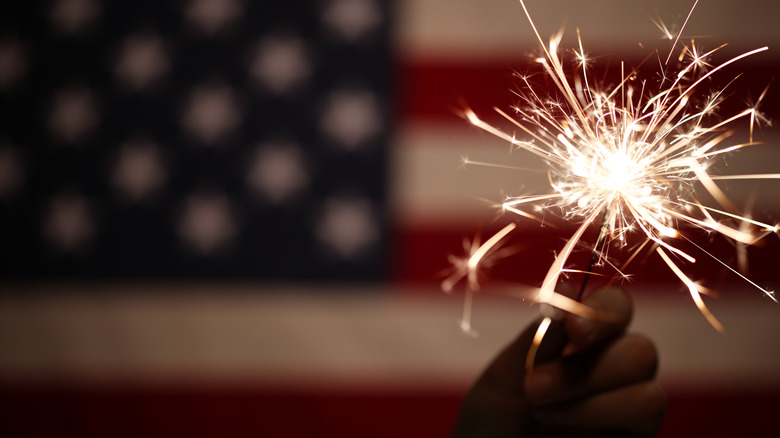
591 377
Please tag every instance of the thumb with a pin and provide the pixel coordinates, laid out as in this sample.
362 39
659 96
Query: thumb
496 405
508 369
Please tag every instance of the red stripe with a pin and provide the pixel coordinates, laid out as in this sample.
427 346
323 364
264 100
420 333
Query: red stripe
437 90
203 411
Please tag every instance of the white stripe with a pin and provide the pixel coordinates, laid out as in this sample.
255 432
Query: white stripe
431 183
304 336
490 28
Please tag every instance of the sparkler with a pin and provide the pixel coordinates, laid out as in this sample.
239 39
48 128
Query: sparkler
627 158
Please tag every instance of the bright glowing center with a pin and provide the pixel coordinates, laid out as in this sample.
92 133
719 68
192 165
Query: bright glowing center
607 175
620 172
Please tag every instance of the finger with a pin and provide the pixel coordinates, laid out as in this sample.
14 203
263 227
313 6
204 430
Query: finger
628 360
586 332
638 407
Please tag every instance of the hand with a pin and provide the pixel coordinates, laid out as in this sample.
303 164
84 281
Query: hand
591 379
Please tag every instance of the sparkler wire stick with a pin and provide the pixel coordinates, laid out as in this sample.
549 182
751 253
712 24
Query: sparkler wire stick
594 255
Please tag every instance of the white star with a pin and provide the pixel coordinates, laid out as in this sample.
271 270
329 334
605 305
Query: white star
211 113
206 222
138 172
347 226
73 114
73 16
210 16
351 118
352 19
277 172
280 63
11 174
141 60
69 224
13 63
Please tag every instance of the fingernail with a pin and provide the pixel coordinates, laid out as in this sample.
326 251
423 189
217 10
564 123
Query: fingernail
538 386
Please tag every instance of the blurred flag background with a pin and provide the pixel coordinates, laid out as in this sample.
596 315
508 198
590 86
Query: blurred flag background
229 218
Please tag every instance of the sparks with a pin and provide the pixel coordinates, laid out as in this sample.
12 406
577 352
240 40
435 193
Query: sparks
630 157
468 267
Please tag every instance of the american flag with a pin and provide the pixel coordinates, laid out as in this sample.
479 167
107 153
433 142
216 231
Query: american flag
228 218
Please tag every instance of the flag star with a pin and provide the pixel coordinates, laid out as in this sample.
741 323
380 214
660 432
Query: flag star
139 171
210 16
351 118
11 174
352 19
13 63
211 112
280 63
277 172
141 60
73 16
206 223
69 224
347 226
73 114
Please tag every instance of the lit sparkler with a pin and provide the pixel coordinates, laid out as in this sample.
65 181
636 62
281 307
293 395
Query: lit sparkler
627 158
